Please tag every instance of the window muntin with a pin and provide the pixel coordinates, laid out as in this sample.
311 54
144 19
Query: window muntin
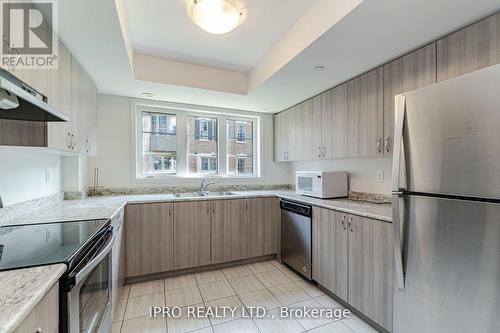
202 145
159 143
240 147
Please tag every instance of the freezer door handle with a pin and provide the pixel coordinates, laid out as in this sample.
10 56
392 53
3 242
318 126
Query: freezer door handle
398 143
397 225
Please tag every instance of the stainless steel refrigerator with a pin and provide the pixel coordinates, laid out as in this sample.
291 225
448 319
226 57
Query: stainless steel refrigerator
446 206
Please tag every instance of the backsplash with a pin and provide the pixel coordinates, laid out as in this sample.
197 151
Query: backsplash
183 189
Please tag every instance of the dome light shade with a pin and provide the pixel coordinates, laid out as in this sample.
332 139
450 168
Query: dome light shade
215 16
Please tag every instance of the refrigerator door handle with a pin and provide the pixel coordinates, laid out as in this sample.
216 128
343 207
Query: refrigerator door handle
398 143
398 242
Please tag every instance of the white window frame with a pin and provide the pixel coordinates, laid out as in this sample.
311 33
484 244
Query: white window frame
182 111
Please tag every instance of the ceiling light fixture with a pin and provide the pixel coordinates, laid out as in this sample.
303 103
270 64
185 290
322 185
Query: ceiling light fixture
148 95
215 16
319 67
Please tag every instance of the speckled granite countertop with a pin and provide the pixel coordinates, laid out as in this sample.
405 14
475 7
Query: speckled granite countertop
108 206
21 290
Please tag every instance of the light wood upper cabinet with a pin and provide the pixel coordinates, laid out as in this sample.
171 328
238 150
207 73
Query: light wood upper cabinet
59 96
227 233
469 49
261 226
148 238
413 71
192 234
371 269
365 107
333 122
329 252
281 136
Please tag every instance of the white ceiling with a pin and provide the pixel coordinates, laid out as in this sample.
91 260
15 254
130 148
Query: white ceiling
371 34
162 28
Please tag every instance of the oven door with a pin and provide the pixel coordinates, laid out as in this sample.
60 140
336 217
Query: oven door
89 301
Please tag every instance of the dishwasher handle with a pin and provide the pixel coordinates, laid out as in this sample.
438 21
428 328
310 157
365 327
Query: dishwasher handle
296 208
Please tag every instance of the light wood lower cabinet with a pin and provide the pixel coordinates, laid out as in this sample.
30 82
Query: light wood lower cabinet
44 317
192 234
261 226
371 268
227 230
149 230
329 253
353 259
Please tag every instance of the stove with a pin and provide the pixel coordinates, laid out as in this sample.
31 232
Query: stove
31 245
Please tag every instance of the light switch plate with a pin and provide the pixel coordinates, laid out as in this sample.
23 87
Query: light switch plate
380 176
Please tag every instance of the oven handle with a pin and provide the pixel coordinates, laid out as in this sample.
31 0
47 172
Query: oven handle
94 262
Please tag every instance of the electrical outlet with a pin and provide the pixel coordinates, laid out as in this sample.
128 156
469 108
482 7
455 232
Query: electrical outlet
380 176
47 176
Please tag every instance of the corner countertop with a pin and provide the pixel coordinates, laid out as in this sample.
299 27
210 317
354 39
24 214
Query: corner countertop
107 206
21 290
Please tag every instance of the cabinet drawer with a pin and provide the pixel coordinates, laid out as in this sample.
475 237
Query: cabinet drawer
44 318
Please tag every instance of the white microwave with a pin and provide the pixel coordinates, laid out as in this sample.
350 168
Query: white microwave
321 184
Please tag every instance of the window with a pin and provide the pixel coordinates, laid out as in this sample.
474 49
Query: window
159 143
178 141
240 131
202 149
239 147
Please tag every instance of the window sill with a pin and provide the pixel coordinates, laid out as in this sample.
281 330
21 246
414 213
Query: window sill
188 178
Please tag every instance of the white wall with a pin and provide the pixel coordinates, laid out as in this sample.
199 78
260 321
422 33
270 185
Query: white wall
22 174
362 172
114 151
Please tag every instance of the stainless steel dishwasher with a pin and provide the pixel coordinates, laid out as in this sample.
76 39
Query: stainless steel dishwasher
296 236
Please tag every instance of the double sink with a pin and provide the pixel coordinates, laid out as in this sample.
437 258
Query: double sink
202 194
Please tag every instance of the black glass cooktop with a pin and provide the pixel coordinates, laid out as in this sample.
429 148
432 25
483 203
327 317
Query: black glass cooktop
42 244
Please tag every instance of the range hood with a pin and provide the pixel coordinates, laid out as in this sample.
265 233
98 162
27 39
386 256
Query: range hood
18 101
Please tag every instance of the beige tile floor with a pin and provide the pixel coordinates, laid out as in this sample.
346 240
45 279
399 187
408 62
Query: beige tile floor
267 284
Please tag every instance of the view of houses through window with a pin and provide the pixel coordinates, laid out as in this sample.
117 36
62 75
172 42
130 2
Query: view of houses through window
202 145
159 143
201 154
239 147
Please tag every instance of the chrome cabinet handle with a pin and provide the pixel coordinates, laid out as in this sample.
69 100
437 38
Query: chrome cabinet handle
73 142
379 145
343 222
87 146
213 208
319 151
324 151
208 208
170 210
350 224
38 329
386 144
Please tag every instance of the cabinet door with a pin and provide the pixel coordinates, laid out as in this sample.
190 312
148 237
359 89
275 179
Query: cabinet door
191 234
282 135
162 237
365 114
279 151
59 96
334 122
137 240
293 118
77 106
474 47
149 238
371 269
261 226
329 239
227 234
413 71
308 135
